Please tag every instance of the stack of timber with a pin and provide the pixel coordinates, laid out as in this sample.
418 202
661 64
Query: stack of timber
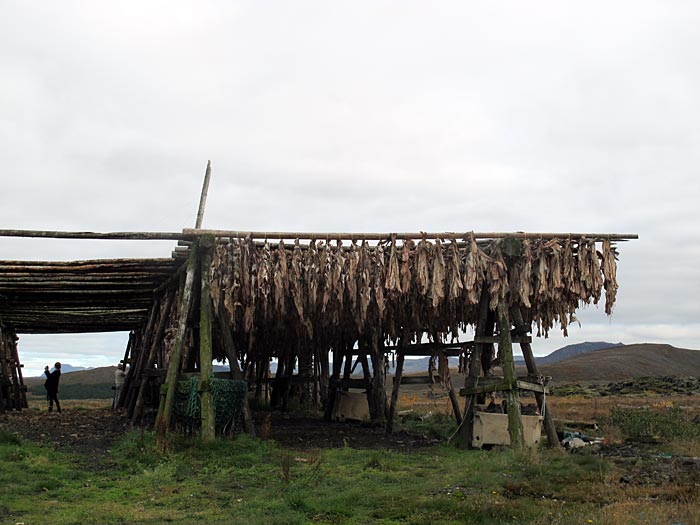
13 392
79 296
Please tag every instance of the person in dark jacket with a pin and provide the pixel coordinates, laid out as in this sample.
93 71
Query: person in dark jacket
51 385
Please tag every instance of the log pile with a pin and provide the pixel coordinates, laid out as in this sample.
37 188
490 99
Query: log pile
79 296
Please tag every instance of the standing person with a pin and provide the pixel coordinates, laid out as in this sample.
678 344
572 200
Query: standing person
51 385
119 375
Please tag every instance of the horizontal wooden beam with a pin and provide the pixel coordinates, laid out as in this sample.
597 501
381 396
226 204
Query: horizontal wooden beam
189 233
131 236
488 339
502 386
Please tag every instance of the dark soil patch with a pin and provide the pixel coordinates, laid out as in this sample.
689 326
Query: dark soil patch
297 431
644 465
90 433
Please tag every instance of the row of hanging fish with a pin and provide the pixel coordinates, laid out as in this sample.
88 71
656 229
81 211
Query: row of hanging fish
425 286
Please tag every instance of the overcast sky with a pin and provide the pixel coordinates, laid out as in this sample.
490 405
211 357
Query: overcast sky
359 116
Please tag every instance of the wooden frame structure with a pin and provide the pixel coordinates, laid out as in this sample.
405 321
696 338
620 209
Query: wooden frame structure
247 297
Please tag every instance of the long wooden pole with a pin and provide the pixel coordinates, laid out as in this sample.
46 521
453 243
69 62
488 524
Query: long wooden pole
191 234
319 236
463 436
203 196
155 344
531 363
205 341
165 409
515 423
230 348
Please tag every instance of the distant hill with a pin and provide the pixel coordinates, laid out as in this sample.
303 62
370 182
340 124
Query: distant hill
570 351
68 369
91 383
627 361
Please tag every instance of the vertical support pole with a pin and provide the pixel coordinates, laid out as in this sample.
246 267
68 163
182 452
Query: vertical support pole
515 423
167 395
206 245
22 389
230 348
128 392
549 428
137 411
453 396
398 374
463 436
3 379
203 196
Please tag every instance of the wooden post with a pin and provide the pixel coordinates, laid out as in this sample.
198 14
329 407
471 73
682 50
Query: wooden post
515 423
378 406
137 411
463 436
206 244
22 389
203 196
397 383
230 348
2 370
549 428
14 369
453 395
128 393
167 397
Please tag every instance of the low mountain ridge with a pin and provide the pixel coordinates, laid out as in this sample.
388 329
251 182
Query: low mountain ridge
624 362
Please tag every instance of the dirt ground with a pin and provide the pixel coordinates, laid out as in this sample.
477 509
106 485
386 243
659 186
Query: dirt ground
88 432
91 432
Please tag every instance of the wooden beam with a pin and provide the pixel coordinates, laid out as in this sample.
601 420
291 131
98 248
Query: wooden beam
203 196
188 233
462 437
205 340
531 363
497 339
515 423
165 408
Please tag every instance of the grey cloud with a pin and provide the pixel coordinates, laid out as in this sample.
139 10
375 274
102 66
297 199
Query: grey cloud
363 116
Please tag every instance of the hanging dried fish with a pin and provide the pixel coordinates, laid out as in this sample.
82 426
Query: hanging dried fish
337 275
496 275
406 248
525 276
263 276
296 280
326 263
281 279
474 270
393 277
423 266
311 274
437 287
352 261
610 275
379 279
455 286
365 274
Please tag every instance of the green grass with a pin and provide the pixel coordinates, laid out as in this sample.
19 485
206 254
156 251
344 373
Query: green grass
252 481
667 423
79 391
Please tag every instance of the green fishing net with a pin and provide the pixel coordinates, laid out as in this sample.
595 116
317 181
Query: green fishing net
228 397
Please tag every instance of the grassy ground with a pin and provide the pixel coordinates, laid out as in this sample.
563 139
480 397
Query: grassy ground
259 482
254 481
